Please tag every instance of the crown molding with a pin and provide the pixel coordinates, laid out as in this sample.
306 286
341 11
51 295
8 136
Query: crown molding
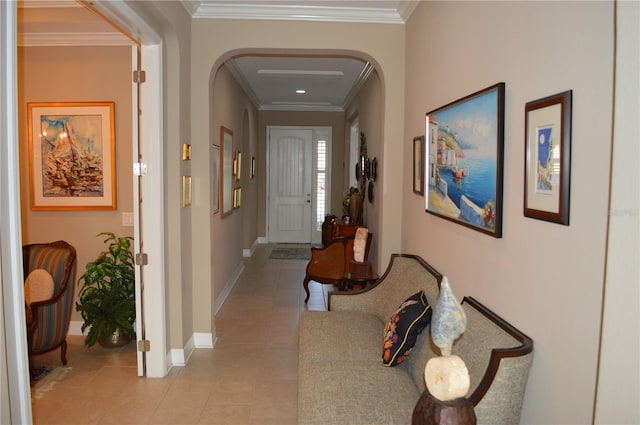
261 11
357 85
244 84
27 4
73 39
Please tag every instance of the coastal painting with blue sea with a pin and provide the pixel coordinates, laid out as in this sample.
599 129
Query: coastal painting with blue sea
463 186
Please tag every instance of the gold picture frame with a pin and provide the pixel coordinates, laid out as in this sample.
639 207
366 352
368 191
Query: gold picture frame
186 152
186 191
238 167
72 164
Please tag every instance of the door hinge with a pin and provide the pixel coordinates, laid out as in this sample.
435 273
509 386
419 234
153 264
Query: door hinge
139 76
141 259
139 169
144 345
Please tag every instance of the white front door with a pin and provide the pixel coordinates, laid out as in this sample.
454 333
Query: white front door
290 184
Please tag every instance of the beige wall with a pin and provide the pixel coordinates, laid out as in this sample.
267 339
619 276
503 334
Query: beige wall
214 41
545 278
232 109
174 23
313 119
74 74
368 107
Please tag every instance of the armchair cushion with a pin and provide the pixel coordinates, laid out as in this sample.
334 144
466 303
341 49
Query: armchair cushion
38 286
404 327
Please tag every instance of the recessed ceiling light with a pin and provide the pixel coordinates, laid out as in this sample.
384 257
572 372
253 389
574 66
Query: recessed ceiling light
301 91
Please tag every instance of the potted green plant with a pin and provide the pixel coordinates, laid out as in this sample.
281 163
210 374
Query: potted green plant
107 298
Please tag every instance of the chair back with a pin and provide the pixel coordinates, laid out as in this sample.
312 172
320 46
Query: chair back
51 317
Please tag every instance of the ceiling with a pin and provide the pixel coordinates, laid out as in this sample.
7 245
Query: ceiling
270 81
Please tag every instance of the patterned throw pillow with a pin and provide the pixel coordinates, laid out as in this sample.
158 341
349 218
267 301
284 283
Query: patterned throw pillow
403 328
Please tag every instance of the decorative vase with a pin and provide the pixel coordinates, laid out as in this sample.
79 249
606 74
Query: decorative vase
116 339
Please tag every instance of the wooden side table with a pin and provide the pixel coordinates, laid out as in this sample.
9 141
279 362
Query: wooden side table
349 282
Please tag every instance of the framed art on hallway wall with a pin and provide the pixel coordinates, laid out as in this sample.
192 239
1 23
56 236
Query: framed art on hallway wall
548 158
465 149
72 155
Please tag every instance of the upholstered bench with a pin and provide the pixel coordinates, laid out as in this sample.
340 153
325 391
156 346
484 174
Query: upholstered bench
341 376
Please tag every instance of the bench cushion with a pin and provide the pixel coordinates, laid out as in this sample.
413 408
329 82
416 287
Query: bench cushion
355 392
340 336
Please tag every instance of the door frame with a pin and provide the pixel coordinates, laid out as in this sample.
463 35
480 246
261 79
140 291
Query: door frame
148 221
13 332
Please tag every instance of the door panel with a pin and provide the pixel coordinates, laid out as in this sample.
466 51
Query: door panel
290 184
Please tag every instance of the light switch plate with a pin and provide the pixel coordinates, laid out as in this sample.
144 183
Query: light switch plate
127 219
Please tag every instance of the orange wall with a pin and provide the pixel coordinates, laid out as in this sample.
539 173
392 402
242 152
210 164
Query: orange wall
74 74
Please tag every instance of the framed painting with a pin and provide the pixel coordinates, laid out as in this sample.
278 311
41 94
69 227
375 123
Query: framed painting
418 165
215 178
72 155
465 149
227 164
547 161
186 191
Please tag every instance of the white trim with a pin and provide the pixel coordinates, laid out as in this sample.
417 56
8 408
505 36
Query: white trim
75 327
217 305
73 39
203 340
181 356
248 253
15 387
257 10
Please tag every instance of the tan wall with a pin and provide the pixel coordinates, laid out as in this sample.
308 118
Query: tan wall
73 74
545 278
313 119
213 41
367 106
229 105
175 24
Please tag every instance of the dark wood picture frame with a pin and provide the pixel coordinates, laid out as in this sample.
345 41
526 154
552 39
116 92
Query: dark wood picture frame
465 160
547 161
418 164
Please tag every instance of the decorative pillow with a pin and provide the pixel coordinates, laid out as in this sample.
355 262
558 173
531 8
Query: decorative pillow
403 328
38 286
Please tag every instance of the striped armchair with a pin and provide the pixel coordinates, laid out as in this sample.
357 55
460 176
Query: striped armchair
48 320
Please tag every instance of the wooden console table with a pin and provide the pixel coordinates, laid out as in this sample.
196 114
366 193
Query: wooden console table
333 228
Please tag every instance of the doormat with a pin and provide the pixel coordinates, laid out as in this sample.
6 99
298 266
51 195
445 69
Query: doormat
47 381
290 254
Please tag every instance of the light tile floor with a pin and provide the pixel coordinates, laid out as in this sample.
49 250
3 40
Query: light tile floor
249 377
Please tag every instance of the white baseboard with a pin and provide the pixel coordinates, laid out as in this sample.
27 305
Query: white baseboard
75 327
227 288
248 253
181 356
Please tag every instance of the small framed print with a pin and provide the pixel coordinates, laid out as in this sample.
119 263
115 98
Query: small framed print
547 161
186 191
186 152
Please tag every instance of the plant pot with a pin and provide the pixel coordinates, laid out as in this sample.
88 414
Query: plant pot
116 339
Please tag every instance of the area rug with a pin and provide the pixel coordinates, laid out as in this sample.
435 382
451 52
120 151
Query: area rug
48 380
288 253
39 372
